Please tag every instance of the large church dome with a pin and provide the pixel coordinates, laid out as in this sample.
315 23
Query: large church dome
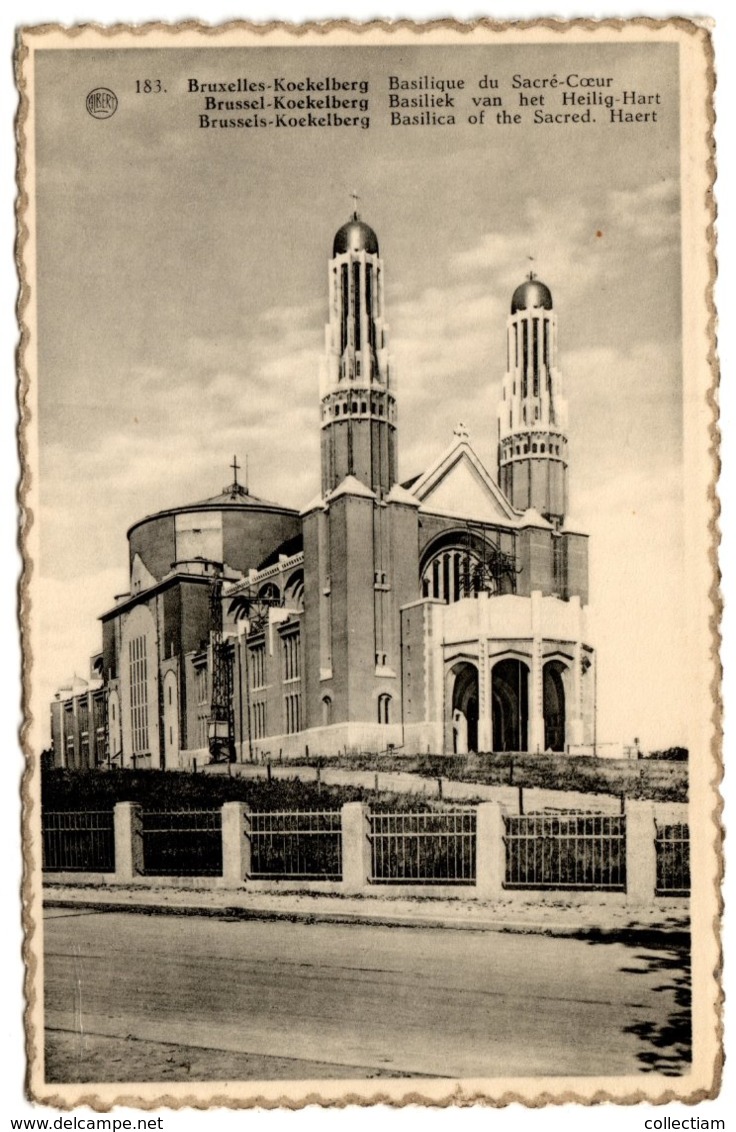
529 294
355 236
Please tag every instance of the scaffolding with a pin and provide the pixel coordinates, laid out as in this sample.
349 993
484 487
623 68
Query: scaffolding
221 730
485 567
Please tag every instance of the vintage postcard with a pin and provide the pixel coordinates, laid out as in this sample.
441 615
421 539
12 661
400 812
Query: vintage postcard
370 603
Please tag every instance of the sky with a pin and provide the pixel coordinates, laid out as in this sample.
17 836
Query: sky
182 290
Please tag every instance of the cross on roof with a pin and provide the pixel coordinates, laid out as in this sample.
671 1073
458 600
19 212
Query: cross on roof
531 276
355 199
236 468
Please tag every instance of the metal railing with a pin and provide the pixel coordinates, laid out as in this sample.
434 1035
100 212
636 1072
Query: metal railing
573 851
672 843
78 841
295 845
182 842
423 848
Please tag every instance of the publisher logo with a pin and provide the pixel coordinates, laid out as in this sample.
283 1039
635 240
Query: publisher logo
101 102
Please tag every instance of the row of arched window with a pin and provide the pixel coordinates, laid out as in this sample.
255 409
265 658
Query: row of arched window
535 447
383 709
343 408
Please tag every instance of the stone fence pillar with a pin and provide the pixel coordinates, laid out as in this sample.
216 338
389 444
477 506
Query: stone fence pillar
490 851
128 827
235 843
356 847
641 853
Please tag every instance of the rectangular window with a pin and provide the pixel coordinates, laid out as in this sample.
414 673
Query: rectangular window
138 671
258 666
291 657
293 713
258 712
356 304
200 682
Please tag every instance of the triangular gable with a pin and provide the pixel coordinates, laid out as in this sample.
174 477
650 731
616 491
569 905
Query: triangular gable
140 577
458 484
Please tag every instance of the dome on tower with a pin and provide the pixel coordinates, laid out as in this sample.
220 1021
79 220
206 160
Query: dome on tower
531 293
355 236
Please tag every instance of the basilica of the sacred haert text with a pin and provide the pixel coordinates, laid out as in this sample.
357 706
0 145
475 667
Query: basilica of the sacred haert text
443 614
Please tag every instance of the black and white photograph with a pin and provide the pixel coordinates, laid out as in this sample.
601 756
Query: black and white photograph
367 432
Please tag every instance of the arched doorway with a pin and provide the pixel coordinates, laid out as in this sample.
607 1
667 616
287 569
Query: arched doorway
171 720
464 711
553 699
510 693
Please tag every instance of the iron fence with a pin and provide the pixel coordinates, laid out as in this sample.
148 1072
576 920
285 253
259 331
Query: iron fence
574 851
182 842
672 843
423 848
295 845
78 841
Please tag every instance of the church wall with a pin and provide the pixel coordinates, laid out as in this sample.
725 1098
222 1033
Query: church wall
251 535
197 694
338 739
195 617
312 646
577 566
413 667
362 464
353 635
155 541
57 732
245 536
110 629
172 622
535 560
139 625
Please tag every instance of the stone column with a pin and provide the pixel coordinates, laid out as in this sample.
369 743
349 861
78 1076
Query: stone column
356 847
235 843
128 826
485 699
574 722
490 851
536 700
641 853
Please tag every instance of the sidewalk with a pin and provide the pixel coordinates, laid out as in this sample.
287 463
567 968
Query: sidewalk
558 914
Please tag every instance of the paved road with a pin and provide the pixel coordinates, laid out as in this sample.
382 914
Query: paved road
321 999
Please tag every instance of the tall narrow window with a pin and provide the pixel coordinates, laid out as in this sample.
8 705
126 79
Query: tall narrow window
138 671
345 306
356 303
369 305
384 708
535 356
525 357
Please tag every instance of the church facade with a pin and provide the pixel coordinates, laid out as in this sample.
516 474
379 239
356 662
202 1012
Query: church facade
443 614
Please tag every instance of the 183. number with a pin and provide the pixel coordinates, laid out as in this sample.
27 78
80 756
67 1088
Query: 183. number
149 86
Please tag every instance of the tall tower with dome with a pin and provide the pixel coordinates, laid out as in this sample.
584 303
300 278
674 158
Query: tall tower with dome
358 403
532 415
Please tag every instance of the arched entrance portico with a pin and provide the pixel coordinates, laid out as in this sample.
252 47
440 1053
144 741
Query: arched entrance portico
553 700
510 696
464 707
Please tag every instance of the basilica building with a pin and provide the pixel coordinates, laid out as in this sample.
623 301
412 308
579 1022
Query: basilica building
443 614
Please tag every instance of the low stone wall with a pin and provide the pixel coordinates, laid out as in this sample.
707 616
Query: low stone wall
353 833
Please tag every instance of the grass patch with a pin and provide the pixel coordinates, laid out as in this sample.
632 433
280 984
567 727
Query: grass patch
181 790
656 780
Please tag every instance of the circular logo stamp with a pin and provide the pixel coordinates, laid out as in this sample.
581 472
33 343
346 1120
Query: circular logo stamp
101 102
